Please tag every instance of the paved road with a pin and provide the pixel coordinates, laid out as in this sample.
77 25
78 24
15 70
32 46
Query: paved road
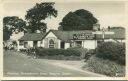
17 64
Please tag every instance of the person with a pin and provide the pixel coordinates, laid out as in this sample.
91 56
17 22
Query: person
28 50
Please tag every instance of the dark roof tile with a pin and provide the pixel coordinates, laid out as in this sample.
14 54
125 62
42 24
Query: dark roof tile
32 36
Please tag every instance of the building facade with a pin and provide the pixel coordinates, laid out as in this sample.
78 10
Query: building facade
65 39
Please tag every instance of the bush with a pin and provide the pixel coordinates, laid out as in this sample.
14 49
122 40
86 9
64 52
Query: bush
83 51
22 50
106 67
112 51
61 54
89 54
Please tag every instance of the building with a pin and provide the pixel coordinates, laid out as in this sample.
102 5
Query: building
118 36
13 41
65 39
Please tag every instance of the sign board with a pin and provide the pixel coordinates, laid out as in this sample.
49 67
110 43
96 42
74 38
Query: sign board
83 36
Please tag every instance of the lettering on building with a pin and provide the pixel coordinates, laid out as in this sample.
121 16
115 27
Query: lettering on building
83 36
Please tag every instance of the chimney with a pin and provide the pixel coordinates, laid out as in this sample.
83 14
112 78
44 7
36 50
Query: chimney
109 28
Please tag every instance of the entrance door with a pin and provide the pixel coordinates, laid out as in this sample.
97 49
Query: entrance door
34 43
51 43
62 45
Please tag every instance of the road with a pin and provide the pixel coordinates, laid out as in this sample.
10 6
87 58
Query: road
19 65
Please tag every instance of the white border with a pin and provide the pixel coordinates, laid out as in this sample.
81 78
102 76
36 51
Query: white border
63 78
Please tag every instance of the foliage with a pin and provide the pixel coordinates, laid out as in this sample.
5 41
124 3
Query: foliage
82 50
12 24
112 51
23 50
38 13
6 34
106 67
79 20
61 54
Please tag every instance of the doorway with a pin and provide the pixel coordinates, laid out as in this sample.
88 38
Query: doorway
62 45
34 43
51 43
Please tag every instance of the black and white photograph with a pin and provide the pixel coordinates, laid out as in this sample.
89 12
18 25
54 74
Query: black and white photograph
64 38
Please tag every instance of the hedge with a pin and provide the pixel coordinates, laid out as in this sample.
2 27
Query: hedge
112 51
64 54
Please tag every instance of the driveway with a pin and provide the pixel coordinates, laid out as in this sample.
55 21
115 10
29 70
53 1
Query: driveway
19 65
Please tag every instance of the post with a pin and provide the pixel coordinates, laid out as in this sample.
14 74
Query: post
103 34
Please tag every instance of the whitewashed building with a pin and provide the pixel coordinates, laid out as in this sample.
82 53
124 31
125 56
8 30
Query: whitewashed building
65 39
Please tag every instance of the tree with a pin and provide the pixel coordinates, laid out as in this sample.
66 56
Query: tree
12 24
38 13
79 20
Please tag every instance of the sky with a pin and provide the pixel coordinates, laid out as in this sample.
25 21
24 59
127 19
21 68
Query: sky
109 13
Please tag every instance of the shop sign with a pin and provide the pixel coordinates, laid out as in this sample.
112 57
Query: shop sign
83 36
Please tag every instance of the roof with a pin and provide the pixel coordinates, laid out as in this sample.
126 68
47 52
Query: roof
32 36
67 36
62 35
119 33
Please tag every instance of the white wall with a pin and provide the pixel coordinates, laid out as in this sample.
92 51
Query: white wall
67 45
122 41
45 41
30 43
90 44
111 40
59 41
39 43
19 46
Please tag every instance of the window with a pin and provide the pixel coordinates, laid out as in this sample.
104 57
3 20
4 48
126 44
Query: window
78 43
62 45
71 44
25 44
51 43
21 43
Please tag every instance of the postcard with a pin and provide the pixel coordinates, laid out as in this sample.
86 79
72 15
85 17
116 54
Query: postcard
68 39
